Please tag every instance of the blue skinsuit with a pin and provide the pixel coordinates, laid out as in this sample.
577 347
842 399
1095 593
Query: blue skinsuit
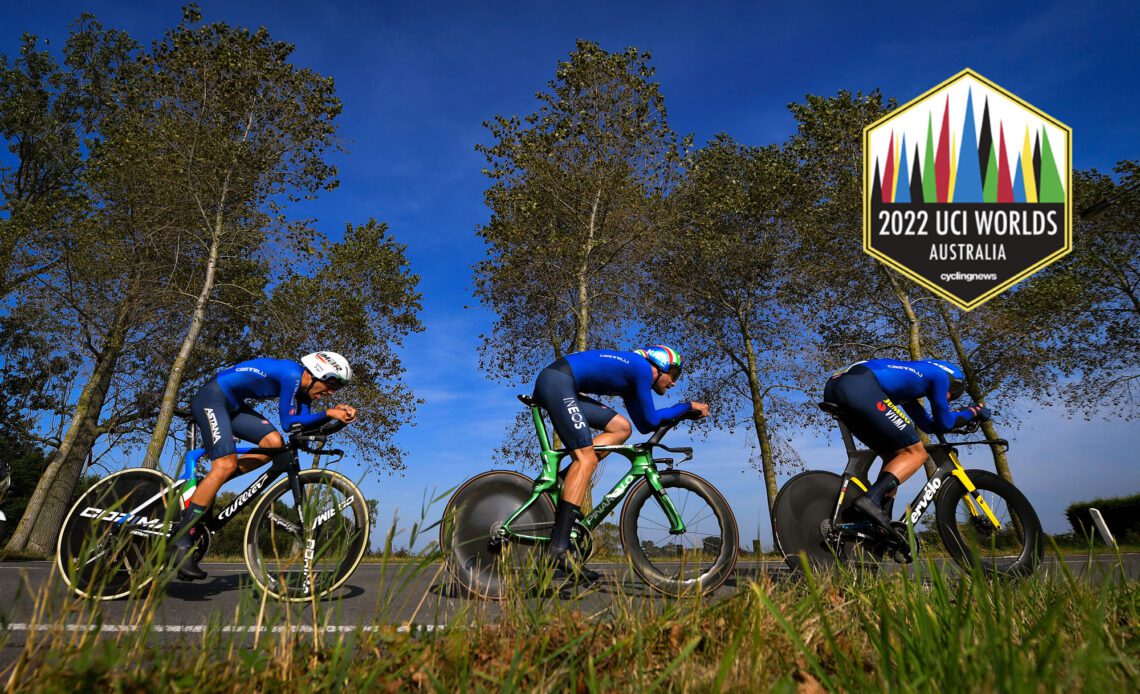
628 375
907 381
879 400
221 412
559 386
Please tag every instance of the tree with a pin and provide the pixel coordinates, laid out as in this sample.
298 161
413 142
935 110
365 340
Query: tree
39 120
93 297
361 301
1099 284
577 190
733 297
237 131
865 308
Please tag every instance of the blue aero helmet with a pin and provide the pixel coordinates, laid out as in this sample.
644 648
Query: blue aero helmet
665 358
957 378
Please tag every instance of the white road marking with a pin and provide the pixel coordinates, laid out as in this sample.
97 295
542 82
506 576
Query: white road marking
201 628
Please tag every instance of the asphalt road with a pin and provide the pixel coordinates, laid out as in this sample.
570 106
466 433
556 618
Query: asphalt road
32 595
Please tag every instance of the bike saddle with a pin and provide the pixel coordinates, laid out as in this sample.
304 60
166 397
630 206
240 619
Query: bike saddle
527 400
831 408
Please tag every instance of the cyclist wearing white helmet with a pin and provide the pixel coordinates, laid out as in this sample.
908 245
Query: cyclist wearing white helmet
222 414
634 376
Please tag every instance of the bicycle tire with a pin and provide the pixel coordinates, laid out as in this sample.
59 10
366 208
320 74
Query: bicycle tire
124 563
802 507
479 566
288 563
975 544
713 522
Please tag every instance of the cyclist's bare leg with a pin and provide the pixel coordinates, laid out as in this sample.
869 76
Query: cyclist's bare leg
224 469
906 462
617 431
902 465
585 461
220 471
251 461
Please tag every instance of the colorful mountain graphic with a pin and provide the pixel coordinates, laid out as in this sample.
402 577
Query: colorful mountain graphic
969 162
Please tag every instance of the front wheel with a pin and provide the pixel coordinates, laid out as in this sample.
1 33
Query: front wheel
479 554
304 553
112 541
696 561
1012 548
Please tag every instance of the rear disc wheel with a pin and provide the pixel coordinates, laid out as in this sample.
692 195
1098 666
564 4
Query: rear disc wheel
479 556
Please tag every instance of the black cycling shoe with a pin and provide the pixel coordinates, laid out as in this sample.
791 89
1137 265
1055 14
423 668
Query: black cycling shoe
876 513
186 564
567 567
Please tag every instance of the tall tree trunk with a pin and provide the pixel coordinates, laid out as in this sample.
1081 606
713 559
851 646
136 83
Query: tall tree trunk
40 524
582 330
1001 462
581 334
760 422
914 345
174 380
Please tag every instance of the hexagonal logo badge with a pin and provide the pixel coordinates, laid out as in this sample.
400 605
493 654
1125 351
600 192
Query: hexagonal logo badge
967 190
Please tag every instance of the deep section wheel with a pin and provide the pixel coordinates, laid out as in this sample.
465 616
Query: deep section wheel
113 540
801 519
1012 548
479 556
696 561
300 554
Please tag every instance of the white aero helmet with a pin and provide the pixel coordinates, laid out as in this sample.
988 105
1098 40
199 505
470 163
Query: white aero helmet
325 365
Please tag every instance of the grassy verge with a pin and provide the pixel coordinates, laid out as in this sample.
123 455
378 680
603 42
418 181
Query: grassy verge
839 632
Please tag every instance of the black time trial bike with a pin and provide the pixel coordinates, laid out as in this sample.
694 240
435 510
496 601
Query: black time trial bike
981 519
677 530
305 536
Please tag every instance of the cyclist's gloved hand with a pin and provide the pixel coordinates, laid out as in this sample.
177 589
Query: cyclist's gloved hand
980 412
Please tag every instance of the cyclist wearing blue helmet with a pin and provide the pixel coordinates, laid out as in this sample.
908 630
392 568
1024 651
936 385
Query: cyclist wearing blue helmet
634 376
878 402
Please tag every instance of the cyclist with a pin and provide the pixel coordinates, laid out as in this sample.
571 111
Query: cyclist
221 412
634 376
878 402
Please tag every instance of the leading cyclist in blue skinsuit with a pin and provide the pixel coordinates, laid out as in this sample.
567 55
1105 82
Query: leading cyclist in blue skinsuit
221 412
878 401
634 376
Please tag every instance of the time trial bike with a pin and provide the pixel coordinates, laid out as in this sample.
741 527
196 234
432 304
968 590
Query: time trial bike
305 536
981 519
677 530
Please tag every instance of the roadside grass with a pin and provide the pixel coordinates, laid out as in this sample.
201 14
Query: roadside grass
846 631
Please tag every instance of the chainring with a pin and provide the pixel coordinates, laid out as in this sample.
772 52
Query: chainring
202 542
582 543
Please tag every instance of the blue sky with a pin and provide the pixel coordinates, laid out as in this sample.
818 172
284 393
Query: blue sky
418 79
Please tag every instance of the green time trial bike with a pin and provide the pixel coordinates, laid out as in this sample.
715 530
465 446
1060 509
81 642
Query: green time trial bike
981 519
677 530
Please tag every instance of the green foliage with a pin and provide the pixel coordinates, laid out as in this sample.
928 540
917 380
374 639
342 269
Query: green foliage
826 633
24 463
576 193
359 300
1121 514
731 271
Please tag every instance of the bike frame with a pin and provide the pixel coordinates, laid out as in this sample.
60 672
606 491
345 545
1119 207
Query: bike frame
641 465
945 456
285 461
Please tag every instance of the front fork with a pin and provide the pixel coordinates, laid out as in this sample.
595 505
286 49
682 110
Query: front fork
974 500
676 524
307 536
